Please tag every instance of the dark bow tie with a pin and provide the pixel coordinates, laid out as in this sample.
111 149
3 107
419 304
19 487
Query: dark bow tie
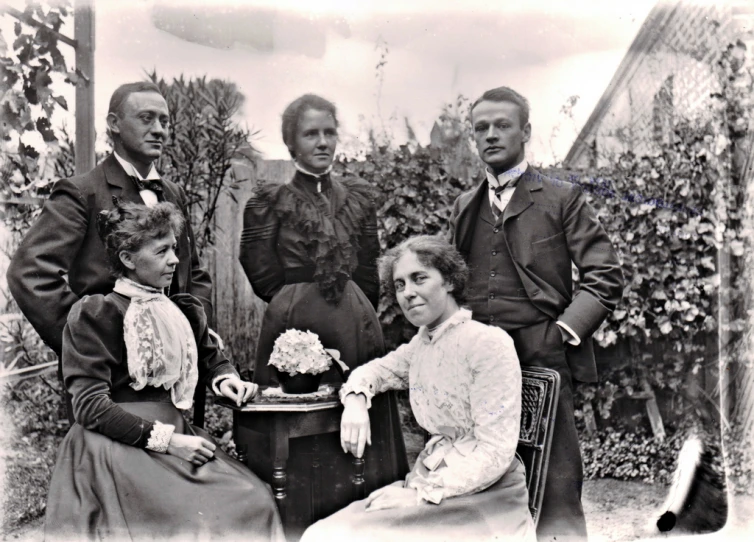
154 185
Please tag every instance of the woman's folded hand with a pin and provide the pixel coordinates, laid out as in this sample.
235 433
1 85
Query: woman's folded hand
355 432
238 390
191 448
392 496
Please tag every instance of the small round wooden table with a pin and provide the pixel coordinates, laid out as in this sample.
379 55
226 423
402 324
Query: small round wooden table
280 419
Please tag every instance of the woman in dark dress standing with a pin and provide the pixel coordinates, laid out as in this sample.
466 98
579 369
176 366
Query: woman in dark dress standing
131 467
309 249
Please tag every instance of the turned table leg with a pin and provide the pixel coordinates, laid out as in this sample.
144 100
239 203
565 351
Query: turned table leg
279 443
358 478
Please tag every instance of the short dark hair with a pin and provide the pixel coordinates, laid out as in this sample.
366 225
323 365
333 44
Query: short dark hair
294 111
129 226
506 94
432 251
122 93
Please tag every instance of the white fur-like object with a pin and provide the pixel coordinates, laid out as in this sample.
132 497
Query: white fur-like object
689 460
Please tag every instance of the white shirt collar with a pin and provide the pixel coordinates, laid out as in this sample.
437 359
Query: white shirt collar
509 176
458 317
130 170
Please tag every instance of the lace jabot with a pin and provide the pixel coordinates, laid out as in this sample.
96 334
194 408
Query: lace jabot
160 345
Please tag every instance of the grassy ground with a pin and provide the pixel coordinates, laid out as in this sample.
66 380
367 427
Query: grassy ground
616 511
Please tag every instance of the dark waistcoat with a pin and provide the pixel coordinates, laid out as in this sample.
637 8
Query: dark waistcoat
495 293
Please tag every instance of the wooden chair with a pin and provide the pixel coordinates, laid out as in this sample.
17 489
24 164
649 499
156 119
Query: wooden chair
539 401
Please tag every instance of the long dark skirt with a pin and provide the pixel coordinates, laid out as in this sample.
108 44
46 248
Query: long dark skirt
102 489
352 328
498 513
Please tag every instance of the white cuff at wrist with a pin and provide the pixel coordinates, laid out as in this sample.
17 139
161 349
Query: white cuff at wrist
159 438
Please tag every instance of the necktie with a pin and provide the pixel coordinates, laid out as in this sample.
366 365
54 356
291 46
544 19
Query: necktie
497 202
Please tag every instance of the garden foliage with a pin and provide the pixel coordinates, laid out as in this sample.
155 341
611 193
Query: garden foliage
29 66
205 140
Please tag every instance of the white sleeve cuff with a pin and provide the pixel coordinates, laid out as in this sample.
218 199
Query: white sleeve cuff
159 437
357 389
575 340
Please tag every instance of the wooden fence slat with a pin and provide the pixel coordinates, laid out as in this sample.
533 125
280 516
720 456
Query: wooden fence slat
28 372
238 312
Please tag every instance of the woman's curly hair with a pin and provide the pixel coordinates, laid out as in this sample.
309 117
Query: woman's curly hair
431 251
129 226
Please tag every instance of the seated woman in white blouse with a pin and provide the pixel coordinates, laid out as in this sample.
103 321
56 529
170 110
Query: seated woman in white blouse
464 384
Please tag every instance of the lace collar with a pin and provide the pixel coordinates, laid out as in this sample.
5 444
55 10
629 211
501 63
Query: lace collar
160 345
458 317
133 289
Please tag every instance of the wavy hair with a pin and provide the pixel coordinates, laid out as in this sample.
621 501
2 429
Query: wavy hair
129 226
432 251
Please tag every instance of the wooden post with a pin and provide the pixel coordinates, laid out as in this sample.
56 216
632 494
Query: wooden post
83 22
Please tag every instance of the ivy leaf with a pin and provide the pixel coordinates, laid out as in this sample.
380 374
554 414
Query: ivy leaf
61 101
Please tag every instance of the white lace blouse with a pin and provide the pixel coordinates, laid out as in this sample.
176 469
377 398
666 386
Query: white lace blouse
465 389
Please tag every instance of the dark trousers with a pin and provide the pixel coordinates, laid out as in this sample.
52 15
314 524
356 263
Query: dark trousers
562 515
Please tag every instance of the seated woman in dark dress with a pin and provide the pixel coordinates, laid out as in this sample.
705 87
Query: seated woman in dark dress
464 385
131 467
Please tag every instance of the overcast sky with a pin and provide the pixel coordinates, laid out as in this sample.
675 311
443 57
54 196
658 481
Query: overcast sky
276 50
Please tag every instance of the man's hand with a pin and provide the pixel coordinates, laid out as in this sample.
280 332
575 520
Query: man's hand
355 431
392 496
237 390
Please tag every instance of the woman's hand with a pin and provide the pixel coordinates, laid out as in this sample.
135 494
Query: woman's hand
392 496
237 390
195 450
355 431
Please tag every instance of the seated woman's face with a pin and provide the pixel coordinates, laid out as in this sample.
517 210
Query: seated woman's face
154 263
423 295
316 139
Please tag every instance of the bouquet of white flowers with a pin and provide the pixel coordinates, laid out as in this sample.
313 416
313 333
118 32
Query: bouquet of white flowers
299 352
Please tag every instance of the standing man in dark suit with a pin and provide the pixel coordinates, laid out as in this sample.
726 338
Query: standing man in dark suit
519 232
62 257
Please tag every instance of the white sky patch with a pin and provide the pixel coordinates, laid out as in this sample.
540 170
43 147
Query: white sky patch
276 50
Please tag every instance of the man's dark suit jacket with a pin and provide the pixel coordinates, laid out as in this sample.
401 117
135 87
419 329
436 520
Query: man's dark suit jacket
548 224
62 257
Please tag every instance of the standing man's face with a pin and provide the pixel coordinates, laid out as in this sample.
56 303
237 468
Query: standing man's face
498 133
142 128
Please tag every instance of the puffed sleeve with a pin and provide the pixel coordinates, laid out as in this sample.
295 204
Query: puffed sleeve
212 362
479 459
92 349
383 374
258 253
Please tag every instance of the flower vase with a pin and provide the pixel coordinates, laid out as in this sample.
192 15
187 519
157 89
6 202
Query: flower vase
299 383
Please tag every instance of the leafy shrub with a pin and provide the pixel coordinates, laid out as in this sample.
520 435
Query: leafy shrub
37 424
739 460
416 196
627 454
205 139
